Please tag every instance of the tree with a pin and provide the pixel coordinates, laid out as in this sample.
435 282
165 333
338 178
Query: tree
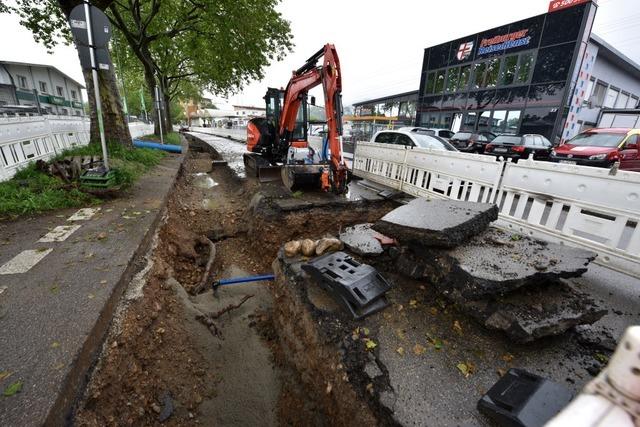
47 20
186 46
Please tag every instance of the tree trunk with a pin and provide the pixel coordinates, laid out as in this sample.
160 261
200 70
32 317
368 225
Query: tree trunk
167 113
115 125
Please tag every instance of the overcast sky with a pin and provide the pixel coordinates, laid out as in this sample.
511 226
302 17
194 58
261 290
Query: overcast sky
380 43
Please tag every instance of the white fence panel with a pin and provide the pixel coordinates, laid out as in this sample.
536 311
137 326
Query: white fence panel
577 205
138 129
574 205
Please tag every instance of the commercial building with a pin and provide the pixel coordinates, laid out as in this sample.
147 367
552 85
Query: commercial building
546 74
41 86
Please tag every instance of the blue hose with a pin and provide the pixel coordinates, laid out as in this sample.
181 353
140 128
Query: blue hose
237 280
154 145
325 148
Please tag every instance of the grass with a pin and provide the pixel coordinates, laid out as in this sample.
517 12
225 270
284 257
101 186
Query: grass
31 191
170 138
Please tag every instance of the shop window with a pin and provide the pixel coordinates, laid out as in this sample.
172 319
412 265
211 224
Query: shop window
463 80
439 83
452 79
498 121
484 121
546 94
481 99
478 74
509 70
429 87
512 122
553 63
539 120
493 70
610 98
525 63
562 26
469 122
511 98
622 100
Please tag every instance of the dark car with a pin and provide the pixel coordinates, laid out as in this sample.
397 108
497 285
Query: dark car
520 147
472 142
602 148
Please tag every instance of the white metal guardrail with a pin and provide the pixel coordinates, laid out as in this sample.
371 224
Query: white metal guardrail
575 205
25 139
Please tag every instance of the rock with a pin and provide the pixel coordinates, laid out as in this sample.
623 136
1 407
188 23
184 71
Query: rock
292 248
437 223
563 307
597 337
372 370
327 244
361 239
481 268
167 408
308 247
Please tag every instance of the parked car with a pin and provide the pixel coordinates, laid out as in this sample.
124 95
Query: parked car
601 148
472 142
520 147
412 139
442 133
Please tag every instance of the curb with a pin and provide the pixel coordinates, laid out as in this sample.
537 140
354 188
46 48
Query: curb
82 367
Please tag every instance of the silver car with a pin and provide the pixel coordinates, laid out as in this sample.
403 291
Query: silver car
410 138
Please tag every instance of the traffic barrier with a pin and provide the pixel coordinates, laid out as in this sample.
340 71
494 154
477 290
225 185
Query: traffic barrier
568 204
25 139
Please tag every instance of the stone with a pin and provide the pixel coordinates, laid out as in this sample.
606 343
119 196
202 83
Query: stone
437 223
485 266
529 314
308 247
597 337
292 248
328 244
361 239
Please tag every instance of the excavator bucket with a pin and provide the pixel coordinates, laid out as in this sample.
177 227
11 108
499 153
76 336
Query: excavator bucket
295 177
255 165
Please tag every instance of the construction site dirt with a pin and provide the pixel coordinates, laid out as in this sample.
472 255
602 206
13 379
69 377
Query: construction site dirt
284 352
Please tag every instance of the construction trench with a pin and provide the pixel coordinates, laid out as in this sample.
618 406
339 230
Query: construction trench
463 308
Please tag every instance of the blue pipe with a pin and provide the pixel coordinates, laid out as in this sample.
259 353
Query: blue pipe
154 145
237 280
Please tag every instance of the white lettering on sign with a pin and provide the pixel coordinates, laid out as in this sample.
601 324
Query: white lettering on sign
103 66
106 29
75 23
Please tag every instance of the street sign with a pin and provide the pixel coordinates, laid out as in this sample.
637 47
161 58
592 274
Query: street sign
103 59
99 23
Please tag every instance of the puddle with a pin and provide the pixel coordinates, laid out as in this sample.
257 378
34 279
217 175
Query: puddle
203 180
209 204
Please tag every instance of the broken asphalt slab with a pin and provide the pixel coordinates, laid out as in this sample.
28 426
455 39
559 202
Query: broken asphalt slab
437 223
57 312
363 240
493 263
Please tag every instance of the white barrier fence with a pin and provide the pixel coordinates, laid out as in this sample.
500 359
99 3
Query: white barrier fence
574 205
25 139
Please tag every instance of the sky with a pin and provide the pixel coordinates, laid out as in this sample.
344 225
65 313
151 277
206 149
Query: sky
380 43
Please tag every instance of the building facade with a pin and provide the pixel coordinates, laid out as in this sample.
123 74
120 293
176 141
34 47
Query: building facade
546 74
41 86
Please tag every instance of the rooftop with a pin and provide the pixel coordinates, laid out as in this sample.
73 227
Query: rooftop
51 67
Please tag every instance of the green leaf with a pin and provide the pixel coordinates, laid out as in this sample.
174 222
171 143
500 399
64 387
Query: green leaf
369 344
462 367
12 389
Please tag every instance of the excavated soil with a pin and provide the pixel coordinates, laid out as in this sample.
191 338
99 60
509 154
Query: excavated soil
159 363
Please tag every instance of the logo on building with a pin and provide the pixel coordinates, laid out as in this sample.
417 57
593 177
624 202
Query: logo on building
504 42
464 51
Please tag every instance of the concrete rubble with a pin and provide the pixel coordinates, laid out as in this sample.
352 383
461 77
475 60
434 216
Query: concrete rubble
362 240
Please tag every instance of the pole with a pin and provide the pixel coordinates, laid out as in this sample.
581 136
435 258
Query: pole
159 107
96 89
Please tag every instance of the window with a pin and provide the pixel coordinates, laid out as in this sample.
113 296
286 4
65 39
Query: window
539 120
439 83
498 121
553 63
513 120
493 70
597 97
509 70
452 79
633 102
610 98
622 100
463 80
74 95
588 90
483 121
404 140
478 74
59 91
43 87
386 137
524 67
431 78
22 82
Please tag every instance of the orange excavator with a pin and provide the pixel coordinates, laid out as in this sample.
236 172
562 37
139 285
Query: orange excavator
279 141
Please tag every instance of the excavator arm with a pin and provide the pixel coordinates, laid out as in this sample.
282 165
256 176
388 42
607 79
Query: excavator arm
304 79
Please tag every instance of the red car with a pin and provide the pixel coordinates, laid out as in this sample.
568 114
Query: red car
601 148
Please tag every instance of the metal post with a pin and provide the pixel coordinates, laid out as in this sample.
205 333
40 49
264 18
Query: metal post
159 107
96 90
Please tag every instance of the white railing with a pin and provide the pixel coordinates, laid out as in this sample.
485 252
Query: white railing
25 139
574 205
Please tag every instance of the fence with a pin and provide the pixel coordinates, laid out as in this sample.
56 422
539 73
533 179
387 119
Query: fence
24 139
574 205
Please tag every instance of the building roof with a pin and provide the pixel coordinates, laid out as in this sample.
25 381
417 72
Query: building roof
29 64
615 56
386 98
248 107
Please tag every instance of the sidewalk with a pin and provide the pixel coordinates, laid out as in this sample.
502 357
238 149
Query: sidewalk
61 276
